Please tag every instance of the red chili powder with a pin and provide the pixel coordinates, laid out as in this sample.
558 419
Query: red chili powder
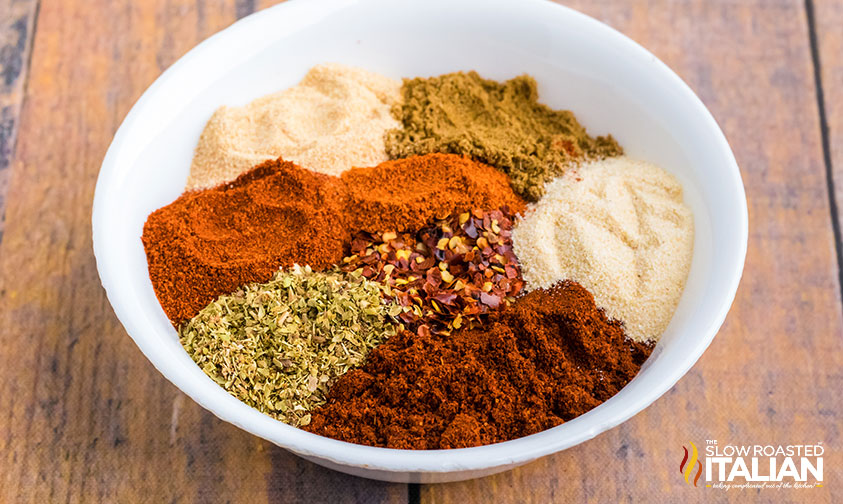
552 356
211 242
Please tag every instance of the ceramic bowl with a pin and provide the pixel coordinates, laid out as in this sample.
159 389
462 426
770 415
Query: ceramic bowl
613 86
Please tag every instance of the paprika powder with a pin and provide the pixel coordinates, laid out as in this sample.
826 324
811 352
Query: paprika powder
208 243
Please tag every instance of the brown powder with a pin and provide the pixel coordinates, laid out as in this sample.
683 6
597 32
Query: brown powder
552 356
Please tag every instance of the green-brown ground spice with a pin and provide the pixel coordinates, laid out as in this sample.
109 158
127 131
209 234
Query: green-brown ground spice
501 124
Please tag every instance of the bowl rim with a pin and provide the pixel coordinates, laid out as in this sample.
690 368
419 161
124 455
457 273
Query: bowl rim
304 443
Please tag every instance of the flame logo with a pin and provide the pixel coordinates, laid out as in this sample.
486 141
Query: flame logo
687 466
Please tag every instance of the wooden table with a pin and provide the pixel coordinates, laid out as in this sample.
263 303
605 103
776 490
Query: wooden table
84 417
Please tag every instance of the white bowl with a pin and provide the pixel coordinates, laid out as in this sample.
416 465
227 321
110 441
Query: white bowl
612 84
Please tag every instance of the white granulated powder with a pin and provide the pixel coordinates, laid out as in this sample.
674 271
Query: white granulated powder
333 120
619 228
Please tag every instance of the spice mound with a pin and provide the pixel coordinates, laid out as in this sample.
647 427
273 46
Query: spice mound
501 124
433 308
449 274
621 229
278 346
211 242
335 118
551 356
405 194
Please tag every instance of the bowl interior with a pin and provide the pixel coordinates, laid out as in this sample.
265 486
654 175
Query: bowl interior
610 83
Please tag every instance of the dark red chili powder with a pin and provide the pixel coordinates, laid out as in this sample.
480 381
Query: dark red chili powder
211 242
550 357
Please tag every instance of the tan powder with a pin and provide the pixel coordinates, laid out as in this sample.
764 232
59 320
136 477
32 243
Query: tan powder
333 120
619 228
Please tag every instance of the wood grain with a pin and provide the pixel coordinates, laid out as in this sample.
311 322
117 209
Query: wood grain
829 31
772 374
84 417
17 19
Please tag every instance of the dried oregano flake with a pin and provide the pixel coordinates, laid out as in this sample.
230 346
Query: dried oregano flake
278 346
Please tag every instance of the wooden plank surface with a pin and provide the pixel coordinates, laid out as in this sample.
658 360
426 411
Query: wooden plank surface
17 19
85 418
829 33
772 374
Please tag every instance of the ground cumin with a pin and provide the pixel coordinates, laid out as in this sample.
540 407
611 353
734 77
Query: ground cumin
501 124
208 243
552 356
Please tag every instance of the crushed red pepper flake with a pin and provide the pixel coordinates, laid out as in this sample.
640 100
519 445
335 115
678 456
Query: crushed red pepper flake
449 274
